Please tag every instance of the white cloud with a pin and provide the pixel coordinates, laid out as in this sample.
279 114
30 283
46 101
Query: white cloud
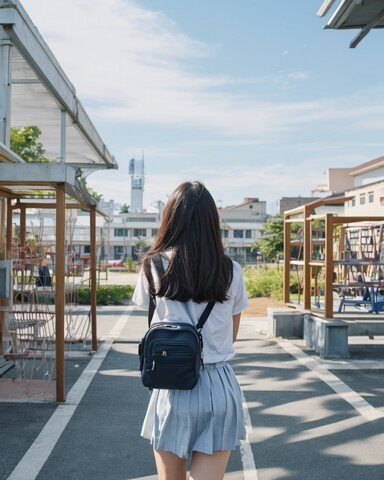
134 65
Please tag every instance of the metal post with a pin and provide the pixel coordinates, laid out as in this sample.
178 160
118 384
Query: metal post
60 291
63 136
5 86
93 276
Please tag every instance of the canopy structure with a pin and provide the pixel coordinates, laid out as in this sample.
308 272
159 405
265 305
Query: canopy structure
363 14
34 91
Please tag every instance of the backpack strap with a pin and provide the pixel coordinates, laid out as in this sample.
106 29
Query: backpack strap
158 262
205 315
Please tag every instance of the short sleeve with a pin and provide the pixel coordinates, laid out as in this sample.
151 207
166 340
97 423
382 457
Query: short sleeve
141 294
240 301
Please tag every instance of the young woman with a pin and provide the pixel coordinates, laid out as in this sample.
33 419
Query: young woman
206 422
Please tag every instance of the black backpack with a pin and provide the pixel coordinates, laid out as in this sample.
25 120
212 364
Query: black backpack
171 353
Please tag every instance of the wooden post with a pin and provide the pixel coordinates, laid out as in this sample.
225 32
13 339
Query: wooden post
328 266
23 233
307 259
9 229
93 276
60 291
287 261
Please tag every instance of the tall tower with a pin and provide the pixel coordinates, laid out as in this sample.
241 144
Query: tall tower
136 171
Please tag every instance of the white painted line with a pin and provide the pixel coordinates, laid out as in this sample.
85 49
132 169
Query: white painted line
33 461
249 466
342 389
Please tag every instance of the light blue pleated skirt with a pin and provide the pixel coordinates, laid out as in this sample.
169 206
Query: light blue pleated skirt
205 419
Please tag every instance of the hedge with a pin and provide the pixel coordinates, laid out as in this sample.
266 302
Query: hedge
106 294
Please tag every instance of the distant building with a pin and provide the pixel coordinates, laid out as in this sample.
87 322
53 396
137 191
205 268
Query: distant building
337 181
241 227
136 171
288 203
363 184
367 194
124 235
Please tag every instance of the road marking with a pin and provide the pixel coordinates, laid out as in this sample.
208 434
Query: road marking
248 461
342 389
33 461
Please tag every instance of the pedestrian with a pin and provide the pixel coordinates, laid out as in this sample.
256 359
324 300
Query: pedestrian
206 423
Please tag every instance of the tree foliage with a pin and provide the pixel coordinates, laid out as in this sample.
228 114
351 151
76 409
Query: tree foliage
124 208
271 243
24 142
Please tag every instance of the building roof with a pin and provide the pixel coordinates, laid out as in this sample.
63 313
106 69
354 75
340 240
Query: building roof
351 14
367 166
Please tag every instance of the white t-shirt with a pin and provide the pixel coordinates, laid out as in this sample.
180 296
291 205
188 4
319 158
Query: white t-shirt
218 329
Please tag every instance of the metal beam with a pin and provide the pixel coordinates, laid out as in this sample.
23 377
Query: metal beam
5 86
364 32
323 10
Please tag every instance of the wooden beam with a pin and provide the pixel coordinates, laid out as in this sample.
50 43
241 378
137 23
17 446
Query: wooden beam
307 259
93 276
9 229
287 262
328 291
60 291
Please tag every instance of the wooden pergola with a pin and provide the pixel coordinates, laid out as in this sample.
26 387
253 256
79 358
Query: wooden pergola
305 216
35 91
68 194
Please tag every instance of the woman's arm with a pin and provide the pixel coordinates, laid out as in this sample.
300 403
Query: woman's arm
236 325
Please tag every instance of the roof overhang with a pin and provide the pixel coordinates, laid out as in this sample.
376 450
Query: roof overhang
22 181
363 14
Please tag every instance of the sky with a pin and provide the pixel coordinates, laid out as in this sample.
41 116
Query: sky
253 98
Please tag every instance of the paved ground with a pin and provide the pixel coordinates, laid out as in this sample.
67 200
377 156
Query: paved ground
306 419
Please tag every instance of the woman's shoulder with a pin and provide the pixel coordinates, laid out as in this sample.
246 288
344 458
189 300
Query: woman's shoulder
237 269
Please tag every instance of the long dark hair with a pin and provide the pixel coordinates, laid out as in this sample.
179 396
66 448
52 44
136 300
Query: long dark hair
190 228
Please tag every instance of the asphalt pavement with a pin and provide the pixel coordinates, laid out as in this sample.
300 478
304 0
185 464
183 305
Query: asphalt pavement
307 419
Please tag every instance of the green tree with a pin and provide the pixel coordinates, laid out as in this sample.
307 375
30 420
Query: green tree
124 208
24 142
271 243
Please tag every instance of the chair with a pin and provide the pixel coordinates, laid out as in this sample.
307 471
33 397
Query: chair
32 344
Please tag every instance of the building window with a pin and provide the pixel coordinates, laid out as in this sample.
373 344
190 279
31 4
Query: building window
371 197
139 232
118 251
248 233
121 232
224 233
87 249
154 232
353 202
362 199
238 233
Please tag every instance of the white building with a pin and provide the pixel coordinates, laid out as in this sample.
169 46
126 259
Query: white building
241 227
127 235
364 184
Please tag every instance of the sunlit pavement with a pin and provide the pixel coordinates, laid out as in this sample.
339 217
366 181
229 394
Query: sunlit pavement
303 420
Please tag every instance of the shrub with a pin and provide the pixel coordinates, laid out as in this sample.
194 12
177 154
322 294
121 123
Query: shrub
106 294
264 282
